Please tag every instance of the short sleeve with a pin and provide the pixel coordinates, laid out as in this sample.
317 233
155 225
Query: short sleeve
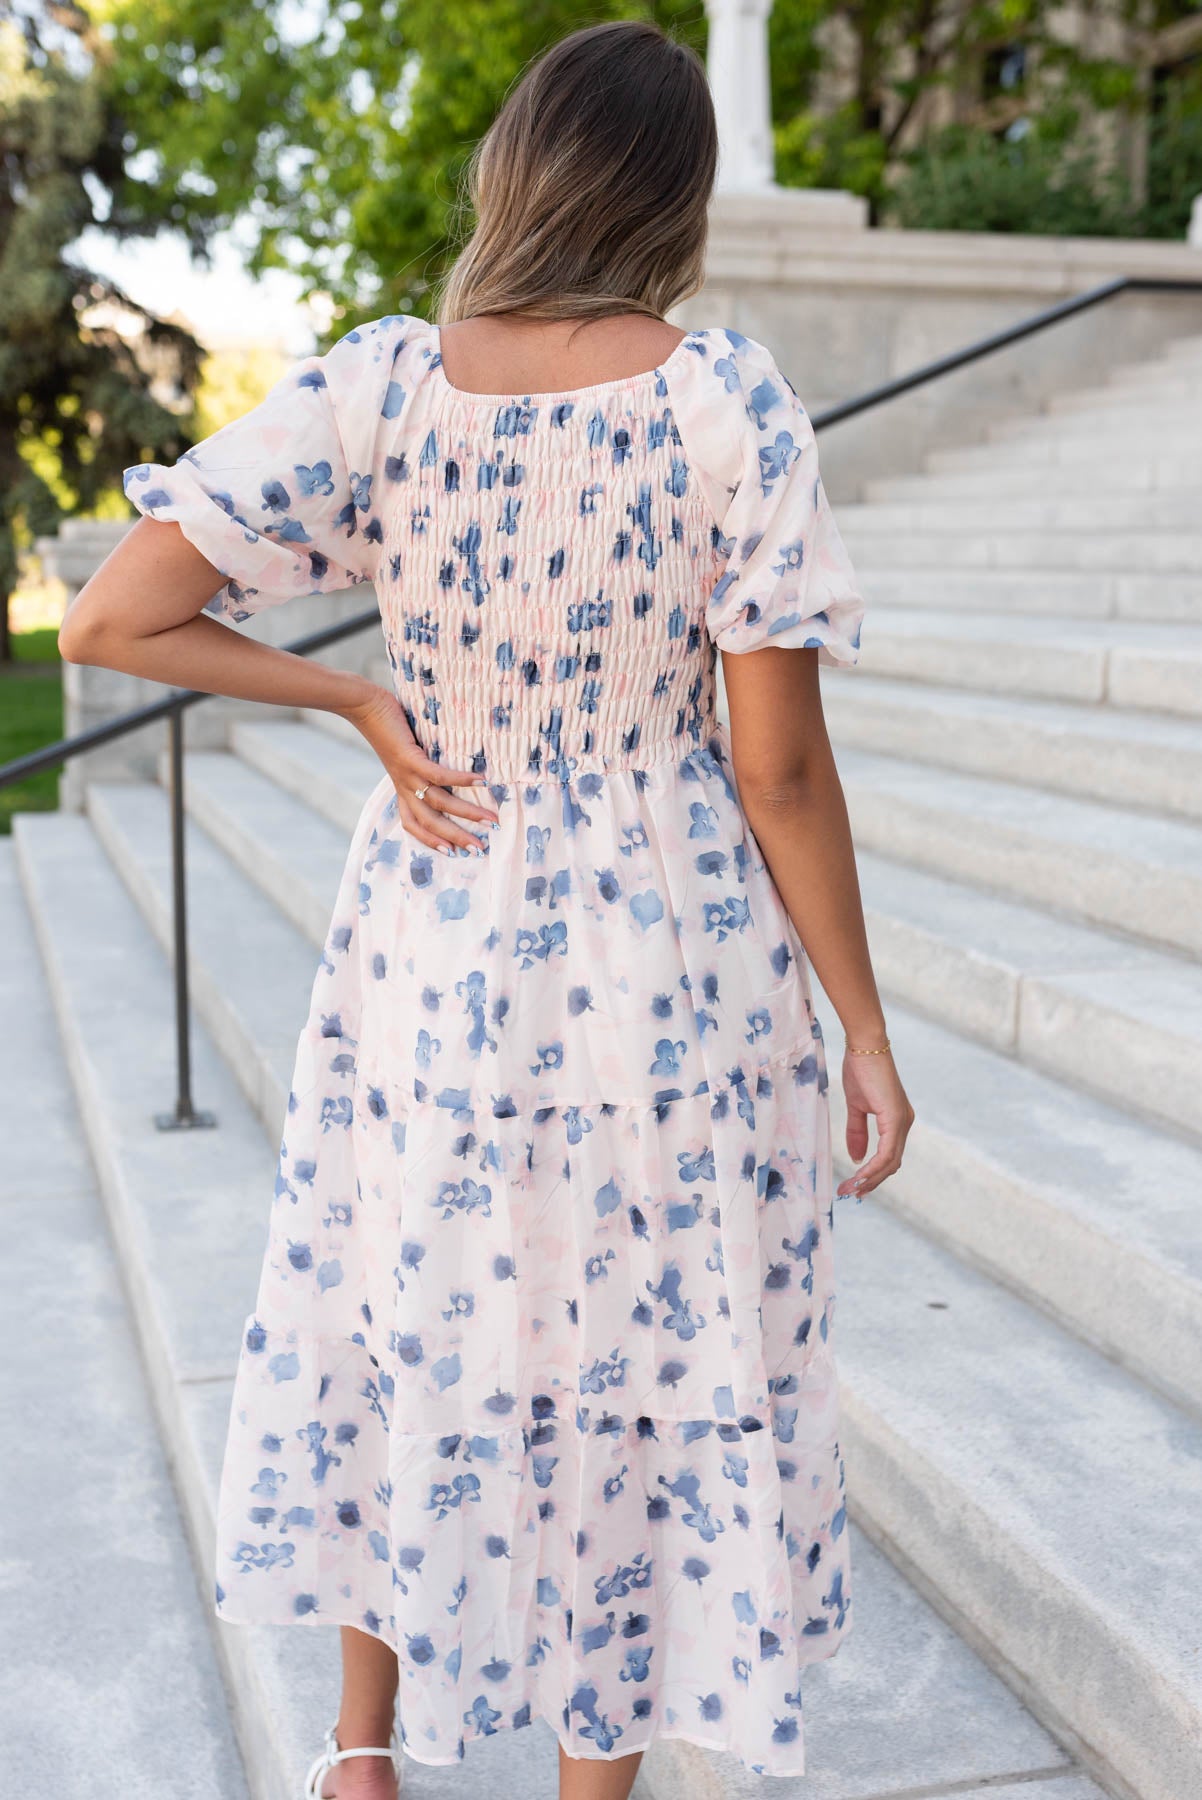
787 578
287 500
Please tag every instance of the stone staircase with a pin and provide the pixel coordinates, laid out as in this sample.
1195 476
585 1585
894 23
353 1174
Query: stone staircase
1020 1319
1024 777
109 1686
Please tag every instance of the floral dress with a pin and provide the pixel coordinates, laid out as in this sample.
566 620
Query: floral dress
539 1386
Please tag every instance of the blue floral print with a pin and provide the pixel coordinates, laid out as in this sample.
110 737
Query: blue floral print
539 1384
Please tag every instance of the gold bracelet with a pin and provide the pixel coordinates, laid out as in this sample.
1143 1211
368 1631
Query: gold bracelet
853 1052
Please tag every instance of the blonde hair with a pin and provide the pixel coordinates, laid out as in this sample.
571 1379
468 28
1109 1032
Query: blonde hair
591 186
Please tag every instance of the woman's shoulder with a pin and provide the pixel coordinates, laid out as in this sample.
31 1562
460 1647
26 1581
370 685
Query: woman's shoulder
393 351
729 397
732 371
366 383
731 393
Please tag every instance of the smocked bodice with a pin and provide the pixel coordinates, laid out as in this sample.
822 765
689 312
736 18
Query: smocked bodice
549 561
555 571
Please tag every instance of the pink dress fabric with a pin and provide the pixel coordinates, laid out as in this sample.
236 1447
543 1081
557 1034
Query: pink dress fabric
539 1385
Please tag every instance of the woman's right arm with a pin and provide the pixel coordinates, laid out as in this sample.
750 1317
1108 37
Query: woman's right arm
786 602
793 799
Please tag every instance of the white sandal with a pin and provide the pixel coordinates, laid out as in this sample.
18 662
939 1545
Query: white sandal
331 1754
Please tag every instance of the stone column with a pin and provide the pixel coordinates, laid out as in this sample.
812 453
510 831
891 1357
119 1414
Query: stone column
1194 234
737 66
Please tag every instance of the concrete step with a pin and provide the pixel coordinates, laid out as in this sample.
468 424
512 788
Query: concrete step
286 846
1152 459
1048 551
1152 393
333 770
1167 361
1134 759
1138 412
1076 1206
250 968
1025 481
1184 353
1156 667
131 1707
687 1770
1078 858
189 1211
191 1245
1046 1495
1156 598
1175 511
1039 988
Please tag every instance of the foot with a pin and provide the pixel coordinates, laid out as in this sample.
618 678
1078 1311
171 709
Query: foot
362 1778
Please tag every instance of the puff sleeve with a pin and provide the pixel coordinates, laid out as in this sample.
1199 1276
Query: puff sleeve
286 500
787 577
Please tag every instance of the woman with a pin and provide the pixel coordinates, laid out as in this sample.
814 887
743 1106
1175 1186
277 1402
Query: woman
538 1398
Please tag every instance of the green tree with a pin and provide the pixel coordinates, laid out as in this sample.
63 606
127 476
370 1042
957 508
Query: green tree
337 147
76 399
966 179
336 138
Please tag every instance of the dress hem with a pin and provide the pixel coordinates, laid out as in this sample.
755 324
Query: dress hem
720 1747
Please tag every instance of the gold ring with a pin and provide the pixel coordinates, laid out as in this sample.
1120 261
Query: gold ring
421 791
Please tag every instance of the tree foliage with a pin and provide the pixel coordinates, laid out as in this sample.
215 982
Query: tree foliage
76 403
337 136
963 178
339 148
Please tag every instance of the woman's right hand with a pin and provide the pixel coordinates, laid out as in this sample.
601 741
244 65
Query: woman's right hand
380 719
871 1085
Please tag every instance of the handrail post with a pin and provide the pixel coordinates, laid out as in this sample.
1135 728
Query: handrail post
185 1117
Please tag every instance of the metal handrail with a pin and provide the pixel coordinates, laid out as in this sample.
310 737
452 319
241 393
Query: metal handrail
175 703
49 756
185 1116
1000 340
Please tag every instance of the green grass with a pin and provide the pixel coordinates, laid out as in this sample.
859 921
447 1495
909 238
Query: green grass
31 714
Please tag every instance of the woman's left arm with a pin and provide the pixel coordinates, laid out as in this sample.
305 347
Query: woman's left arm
142 612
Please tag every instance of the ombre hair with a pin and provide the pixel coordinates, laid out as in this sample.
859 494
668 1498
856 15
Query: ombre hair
591 186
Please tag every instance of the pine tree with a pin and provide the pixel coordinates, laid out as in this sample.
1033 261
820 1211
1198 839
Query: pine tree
90 381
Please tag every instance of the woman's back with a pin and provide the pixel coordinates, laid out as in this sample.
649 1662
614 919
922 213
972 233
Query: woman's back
557 551
509 354
555 570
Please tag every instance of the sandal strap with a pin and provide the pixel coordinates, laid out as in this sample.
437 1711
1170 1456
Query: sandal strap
331 1754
